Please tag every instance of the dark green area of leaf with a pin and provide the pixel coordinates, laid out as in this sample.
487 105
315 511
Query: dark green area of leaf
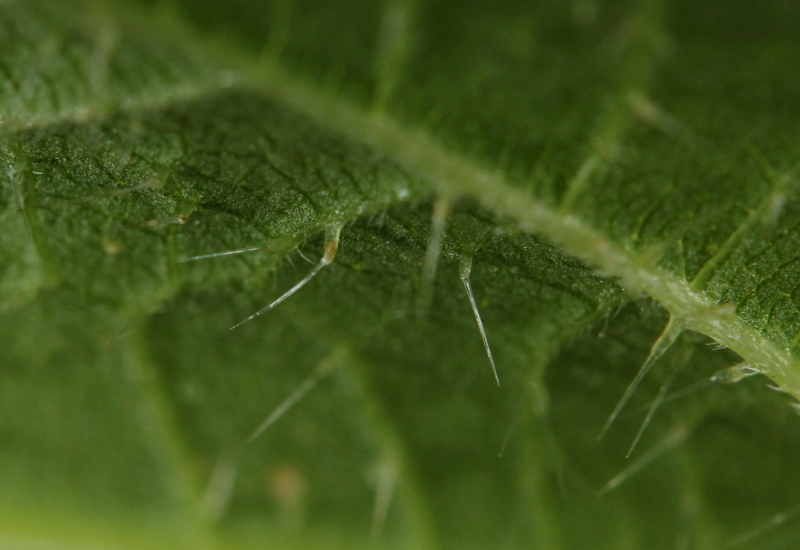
136 136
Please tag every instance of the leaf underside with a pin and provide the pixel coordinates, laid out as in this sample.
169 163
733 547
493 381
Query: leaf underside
605 166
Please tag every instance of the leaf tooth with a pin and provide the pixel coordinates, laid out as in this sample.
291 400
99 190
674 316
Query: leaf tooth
331 246
464 272
662 344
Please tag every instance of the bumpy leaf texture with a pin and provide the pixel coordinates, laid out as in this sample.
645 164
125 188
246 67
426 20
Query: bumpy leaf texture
615 182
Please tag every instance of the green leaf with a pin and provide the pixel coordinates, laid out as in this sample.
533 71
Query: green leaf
621 177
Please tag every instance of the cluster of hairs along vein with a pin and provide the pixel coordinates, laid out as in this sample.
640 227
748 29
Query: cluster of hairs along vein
440 212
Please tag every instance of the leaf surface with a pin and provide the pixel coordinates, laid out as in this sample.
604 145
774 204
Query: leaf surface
606 167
